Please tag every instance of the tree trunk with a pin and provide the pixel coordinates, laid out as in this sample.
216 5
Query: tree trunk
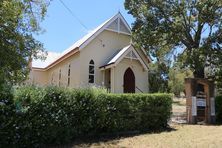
199 73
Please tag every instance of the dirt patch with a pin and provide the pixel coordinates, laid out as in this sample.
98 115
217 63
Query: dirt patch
179 110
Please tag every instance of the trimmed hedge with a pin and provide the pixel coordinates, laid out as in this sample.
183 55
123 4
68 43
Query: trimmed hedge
218 107
55 115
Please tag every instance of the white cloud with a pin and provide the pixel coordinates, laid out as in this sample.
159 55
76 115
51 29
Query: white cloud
51 57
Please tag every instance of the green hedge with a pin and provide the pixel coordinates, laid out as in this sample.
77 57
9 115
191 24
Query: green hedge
218 107
55 115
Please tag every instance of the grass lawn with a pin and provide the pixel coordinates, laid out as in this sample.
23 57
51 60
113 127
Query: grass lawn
181 136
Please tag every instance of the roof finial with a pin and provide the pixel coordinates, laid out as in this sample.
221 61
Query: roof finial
119 10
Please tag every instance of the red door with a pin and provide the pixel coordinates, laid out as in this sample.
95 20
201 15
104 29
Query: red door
129 81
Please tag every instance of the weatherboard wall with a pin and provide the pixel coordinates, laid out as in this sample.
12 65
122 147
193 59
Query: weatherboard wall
141 76
100 50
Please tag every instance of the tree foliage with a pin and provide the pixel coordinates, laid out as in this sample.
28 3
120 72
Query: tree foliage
19 20
176 79
219 81
192 28
158 77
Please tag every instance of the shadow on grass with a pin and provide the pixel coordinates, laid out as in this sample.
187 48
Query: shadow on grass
110 139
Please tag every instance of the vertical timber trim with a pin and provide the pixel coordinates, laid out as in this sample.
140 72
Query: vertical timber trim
118 25
113 79
103 73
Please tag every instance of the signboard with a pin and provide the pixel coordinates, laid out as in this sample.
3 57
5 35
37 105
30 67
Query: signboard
194 106
201 102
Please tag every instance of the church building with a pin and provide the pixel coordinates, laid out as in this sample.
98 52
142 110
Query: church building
105 58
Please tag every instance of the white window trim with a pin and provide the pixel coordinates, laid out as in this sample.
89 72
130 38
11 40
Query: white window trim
69 74
93 73
60 75
52 78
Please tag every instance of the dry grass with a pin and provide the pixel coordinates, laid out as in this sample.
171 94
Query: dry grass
184 136
179 105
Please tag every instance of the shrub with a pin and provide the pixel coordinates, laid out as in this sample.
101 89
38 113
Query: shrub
7 117
218 107
56 115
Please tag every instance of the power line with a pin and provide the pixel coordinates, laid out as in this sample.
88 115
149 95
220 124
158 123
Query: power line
80 22
70 11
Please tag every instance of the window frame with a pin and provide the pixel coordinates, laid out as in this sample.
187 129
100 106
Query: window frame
60 75
91 74
69 73
52 78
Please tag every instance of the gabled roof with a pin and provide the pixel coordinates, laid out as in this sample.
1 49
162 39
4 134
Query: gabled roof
80 44
126 52
105 26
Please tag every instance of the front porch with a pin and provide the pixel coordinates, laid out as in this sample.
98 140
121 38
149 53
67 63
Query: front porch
125 72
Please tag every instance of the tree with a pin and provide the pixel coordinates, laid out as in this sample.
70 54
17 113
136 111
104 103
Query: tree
176 79
158 77
191 28
19 20
219 81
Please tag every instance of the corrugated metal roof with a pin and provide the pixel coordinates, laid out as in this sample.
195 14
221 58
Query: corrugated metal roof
75 45
116 56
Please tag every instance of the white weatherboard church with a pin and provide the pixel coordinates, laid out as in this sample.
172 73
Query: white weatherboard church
104 57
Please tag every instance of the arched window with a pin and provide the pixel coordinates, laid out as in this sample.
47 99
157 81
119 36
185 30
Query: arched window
52 78
60 77
91 71
69 75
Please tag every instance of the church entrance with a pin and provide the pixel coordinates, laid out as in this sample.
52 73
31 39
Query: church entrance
129 81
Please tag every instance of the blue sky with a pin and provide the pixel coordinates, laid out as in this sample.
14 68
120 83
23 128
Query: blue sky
62 29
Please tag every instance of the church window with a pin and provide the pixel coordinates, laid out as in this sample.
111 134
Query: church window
69 75
91 71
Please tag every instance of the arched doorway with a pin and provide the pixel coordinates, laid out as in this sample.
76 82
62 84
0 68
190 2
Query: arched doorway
129 81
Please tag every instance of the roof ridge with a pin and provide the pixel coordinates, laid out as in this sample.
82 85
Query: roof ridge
83 40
